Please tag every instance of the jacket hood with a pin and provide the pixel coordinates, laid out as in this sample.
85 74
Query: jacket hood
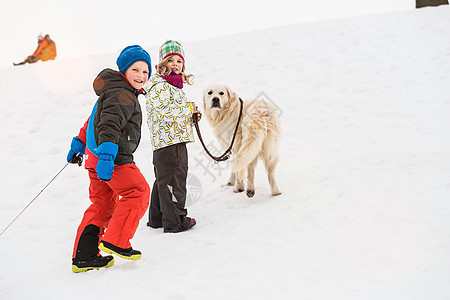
110 79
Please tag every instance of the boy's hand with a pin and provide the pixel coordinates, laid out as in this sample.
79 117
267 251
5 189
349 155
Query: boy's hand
106 154
76 152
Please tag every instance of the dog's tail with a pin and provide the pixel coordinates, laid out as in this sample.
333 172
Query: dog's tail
249 151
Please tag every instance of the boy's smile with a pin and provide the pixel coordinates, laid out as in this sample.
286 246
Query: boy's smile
137 74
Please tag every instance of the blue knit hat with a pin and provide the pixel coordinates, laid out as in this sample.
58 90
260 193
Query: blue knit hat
132 54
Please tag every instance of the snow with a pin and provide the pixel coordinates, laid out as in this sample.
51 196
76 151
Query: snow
365 171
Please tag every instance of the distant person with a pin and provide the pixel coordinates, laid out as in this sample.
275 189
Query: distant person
118 191
170 116
46 50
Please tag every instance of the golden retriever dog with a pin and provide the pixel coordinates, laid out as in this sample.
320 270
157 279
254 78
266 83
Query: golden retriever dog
257 136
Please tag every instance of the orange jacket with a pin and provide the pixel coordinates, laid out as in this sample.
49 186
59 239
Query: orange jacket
46 50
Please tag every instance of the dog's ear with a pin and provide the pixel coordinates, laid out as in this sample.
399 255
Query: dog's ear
232 96
204 97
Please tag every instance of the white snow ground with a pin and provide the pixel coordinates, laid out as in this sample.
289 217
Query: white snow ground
365 172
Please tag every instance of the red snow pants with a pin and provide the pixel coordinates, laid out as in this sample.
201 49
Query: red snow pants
117 206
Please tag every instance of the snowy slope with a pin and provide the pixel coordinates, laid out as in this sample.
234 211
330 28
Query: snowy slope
365 172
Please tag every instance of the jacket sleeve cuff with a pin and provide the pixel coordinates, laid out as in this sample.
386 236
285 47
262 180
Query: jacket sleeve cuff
107 151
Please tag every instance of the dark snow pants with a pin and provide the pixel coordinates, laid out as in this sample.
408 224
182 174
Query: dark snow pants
168 197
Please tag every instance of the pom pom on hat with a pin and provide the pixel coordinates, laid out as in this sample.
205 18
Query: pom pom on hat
170 47
132 54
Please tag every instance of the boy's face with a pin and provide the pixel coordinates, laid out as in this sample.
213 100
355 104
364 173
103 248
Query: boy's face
137 74
175 63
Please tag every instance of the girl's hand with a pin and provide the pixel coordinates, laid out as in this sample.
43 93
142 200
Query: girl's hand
194 107
195 112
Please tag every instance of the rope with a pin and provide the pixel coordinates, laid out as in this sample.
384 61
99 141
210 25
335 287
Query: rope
79 163
227 153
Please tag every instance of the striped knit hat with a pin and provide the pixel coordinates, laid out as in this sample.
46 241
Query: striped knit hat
171 47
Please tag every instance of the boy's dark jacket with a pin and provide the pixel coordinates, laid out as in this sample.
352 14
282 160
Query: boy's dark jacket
116 117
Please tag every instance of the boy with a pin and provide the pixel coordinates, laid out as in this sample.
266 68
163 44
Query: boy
112 134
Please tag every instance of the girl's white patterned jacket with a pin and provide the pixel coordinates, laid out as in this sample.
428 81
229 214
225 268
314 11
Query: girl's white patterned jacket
169 113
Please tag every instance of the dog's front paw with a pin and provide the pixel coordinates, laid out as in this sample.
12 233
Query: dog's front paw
238 190
250 193
227 184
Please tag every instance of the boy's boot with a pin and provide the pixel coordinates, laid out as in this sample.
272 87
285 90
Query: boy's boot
128 253
83 265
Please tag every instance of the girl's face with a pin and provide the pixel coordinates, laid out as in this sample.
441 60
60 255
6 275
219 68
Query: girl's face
175 63
137 74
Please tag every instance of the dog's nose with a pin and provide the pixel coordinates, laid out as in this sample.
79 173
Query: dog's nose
215 102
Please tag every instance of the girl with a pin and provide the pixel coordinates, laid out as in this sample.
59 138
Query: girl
112 134
169 119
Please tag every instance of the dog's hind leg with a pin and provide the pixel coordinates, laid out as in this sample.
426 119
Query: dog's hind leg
271 176
251 178
271 162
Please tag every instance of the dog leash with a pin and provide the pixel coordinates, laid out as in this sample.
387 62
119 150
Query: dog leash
79 161
227 153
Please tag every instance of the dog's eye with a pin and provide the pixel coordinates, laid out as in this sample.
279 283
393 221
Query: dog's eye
221 93
210 93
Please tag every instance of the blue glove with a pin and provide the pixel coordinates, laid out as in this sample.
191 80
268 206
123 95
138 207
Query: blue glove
106 154
76 147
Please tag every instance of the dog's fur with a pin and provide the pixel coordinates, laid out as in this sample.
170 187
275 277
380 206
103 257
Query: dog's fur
257 136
